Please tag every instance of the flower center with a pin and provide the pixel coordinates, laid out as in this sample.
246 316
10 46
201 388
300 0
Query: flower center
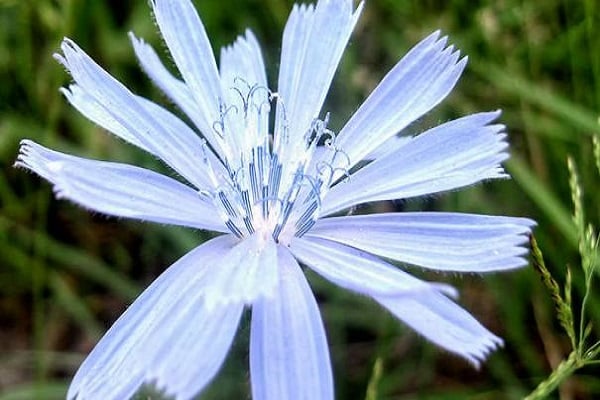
273 183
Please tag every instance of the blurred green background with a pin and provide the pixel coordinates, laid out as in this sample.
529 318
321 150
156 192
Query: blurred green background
67 274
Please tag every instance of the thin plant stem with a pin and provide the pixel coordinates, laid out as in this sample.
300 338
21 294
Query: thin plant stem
564 370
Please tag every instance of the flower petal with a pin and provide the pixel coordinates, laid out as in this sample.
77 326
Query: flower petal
190 48
422 306
105 101
442 241
175 89
120 190
244 82
389 146
358 271
444 323
455 154
90 108
167 336
422 79
289 358
313 42
247 272
243 61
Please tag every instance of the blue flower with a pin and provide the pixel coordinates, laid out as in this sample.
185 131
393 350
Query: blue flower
273 187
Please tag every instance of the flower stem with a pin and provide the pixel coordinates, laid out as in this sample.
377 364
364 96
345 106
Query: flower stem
564 370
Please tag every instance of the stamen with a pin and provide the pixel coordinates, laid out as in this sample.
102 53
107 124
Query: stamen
307 219
219 128
260 192
253 178
248 224
246 203
325 166
227 204
342 152
244 98
274 175
343 168
265 204
242 80
288 203
234 229
266 101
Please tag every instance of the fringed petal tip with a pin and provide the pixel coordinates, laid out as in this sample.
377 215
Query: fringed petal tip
445 324
136 41
425 307
69 49
43 162
447 290
456 154
34 158
119 190
530 223
68 91
241 40
68 46
60 56
37 159
23 145
481 351
440 43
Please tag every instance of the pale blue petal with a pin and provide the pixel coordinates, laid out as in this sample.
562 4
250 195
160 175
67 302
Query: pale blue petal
425 308
108 103
247 272
120 190
167 336
389 146
244 82
243 61
423 78
444 323
453 155
313 42
289 358
184 151
89 107
441 241
176 90
190 48
358 271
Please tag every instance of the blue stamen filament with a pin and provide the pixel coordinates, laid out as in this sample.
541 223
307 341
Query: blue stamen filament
267 188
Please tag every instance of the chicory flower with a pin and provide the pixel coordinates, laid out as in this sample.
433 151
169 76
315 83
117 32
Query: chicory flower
276 188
